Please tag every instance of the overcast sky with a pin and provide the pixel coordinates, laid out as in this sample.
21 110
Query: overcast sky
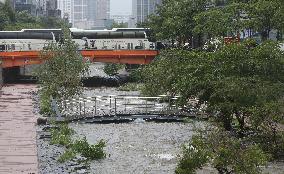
120 7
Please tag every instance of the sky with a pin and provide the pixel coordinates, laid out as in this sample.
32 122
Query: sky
120 7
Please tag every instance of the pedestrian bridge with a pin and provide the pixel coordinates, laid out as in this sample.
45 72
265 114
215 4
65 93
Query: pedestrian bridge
22 58
120 108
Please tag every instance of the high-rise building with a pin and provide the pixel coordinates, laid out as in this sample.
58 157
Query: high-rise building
79 16
47 8
85 14
141 9
26 5
102 13
66 9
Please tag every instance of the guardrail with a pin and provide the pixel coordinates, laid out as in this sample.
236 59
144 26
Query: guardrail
113 105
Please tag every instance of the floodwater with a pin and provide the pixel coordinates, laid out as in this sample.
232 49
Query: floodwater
140 148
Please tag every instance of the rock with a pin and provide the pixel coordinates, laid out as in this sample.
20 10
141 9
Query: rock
48 127
41 121
45 135
79 167
82 171
80 158
73 163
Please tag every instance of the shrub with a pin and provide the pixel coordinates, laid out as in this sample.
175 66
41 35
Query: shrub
62 135
112 68
222 151
66 156
90 151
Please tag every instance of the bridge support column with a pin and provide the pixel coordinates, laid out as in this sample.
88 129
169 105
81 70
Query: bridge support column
10 75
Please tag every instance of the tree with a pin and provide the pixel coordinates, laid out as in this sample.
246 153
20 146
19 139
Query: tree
232 80
175 20
240 15
120 25
60 74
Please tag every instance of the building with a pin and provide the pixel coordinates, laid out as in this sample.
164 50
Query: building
26 5
66 9
86 14
47 8
79 15
141 9
37 7
102 14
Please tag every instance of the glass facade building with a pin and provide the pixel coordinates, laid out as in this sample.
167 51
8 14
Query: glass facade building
141 9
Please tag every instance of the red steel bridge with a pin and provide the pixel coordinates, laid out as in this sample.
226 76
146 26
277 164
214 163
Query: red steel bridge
22 58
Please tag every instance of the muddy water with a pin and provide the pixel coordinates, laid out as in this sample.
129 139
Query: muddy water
137 147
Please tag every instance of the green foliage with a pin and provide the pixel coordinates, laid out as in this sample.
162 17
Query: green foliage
222 151
233 80
131 87
62 135
45 104
60 75
175 19
119 25
11 20
136 75
67 156
193 158
90 151
112 68
190 21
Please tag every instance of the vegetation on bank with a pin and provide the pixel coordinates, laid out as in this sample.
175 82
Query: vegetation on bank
243 87
63 136
112 69
241 84
60 79
60 75
11 20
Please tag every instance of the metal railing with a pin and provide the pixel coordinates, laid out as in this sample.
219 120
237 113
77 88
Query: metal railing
113 105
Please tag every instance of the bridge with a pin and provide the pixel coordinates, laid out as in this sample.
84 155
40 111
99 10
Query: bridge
124 109
22 58
11 61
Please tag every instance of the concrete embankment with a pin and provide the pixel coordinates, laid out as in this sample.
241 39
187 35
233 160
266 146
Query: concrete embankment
17 130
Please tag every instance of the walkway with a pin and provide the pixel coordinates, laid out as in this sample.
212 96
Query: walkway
18 153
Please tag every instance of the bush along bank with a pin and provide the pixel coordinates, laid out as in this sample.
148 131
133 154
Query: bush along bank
61 134
243 88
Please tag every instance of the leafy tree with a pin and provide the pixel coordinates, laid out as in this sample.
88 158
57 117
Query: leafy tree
60 75
243 87
233 80
119 25
239 15
175 19
11 20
